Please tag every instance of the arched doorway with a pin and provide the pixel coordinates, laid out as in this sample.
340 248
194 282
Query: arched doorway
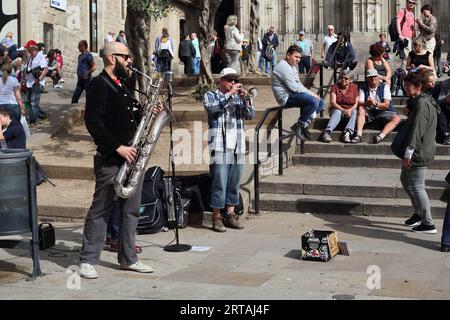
226 9
182 27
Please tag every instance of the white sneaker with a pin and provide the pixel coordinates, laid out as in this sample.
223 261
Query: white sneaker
138 267
347 137
58 86
87 271
61 80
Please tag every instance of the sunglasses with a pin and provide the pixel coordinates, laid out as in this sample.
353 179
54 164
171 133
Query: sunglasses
345 78
124 56
411 2
231 80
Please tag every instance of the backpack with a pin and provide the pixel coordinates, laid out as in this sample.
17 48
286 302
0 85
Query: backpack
393 32
151 214
397 88
269 52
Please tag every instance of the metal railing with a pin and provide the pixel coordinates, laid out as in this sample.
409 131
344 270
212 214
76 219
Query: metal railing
281 137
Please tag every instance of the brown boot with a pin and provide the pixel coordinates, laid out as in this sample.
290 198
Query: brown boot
218 225
232 222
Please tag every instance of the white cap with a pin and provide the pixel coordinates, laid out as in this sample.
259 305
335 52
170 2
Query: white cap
229 72
371 73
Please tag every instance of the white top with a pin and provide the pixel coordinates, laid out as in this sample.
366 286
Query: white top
37 61
373 95
108 38
7 90
166 45
328 41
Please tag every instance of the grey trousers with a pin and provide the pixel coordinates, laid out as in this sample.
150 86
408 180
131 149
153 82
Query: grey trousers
232 59
97 218
413 182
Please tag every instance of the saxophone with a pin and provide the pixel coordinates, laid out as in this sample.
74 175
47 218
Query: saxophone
144 140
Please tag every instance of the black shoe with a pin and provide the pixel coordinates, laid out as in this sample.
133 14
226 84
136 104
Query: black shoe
445 248
423 228
306 133
298 132
446 139
414 221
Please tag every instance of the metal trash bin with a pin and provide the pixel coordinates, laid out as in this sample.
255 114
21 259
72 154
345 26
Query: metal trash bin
18 204
14 192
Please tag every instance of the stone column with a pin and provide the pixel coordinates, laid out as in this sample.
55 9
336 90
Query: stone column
356 26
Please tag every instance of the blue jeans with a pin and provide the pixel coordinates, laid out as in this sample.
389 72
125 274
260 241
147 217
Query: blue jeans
33 98
261 62
113 228
196 65
305 64
13 109
308 105
446 227
337 116
82 84
226 170
413 182
270 64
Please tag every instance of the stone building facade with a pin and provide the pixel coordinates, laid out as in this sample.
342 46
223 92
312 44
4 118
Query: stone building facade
362 20
63 23
75 20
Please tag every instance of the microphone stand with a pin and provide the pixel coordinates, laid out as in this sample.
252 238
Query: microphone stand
174 247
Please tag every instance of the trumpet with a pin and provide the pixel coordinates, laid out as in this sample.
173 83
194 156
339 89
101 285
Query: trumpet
248 94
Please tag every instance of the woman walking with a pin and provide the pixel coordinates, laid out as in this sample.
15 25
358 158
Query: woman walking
419 134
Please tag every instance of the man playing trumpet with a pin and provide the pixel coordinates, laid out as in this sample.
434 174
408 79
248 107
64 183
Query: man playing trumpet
112 121
227 108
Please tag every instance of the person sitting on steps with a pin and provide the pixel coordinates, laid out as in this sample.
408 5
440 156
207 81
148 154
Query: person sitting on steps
344 102
375 106
290 92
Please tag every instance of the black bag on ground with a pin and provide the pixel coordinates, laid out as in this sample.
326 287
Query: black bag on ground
175 206
197 189
151 215
46 236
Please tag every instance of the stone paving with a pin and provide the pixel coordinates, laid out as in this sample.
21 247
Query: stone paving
260 262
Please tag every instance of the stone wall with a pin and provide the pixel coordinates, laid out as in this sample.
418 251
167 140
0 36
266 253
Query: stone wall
70 26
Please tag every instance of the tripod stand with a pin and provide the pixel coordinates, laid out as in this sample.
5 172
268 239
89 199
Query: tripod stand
174 247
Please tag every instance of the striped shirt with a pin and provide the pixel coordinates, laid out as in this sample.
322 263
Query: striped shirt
226 115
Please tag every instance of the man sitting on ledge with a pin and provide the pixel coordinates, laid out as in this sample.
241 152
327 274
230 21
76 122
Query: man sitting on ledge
290 92
375 105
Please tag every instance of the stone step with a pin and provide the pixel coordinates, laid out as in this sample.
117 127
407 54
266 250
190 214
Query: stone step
350 182
361 160
336 147
344 205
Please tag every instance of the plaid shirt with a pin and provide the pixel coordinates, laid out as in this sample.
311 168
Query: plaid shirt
220 108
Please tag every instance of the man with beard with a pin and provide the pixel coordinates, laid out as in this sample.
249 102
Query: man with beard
112 121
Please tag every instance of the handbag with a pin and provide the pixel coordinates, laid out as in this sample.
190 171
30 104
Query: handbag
398 146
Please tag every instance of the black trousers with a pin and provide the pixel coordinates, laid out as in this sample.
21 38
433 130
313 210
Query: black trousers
443 121
187 61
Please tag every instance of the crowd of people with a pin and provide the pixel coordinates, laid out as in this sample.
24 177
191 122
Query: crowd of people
427 110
